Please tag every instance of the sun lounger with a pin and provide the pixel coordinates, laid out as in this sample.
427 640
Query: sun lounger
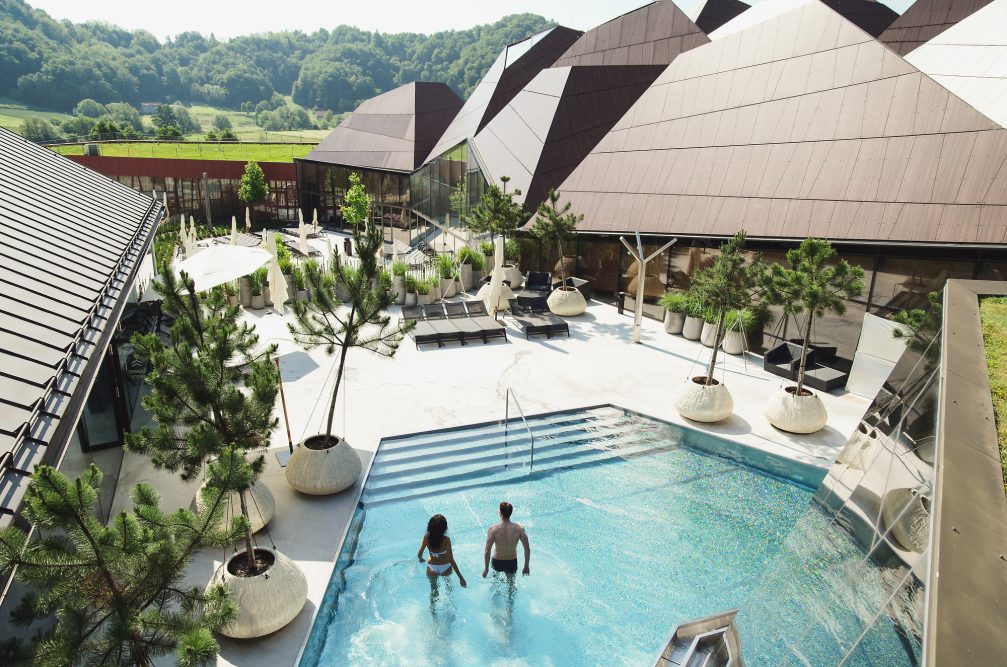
422 332
434 316
467 317
538 323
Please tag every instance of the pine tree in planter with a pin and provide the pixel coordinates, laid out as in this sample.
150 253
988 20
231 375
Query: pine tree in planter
213 402
324 463
553 224
498 213
815 283
725 285
116 591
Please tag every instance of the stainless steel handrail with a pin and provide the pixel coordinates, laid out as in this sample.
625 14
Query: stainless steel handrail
531 437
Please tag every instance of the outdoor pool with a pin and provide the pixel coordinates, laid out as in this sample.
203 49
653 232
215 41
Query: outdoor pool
637 533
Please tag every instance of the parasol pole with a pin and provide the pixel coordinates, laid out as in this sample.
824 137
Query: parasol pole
283 402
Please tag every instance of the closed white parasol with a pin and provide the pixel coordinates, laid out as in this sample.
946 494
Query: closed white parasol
498 295
220 264
234 230
277 283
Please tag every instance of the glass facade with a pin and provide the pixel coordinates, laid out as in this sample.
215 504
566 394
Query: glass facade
324 186
186 195
433 184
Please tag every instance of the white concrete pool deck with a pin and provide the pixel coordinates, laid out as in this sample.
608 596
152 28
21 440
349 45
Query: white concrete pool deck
432 388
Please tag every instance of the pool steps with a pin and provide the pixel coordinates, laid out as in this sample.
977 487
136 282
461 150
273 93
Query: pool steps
434 463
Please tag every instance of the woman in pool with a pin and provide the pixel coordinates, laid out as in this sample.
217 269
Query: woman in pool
441 560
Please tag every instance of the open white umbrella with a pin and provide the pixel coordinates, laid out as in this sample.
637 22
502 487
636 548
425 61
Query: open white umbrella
277 283
234 230
220 264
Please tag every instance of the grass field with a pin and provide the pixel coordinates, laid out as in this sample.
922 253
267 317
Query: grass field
13 114
993 312
222 151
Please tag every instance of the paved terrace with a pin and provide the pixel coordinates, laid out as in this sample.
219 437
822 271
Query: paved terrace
432 388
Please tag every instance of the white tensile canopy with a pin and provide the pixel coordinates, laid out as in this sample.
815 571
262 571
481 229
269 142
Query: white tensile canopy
220 264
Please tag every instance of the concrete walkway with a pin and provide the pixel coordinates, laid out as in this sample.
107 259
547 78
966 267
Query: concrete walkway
419 390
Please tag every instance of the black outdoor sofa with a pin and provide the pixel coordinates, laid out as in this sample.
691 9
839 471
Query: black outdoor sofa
534 321
537 286
784 360
461 321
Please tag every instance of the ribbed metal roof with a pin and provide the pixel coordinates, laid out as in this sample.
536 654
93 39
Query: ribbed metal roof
70 243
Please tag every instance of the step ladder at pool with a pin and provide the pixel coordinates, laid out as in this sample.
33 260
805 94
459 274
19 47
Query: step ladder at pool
710 641
561 441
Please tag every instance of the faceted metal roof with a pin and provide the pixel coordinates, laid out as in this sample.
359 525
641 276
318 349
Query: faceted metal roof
712 14
970 60
651 35
516 65
801 125
393 131
926 19
870 16
548 128
70 243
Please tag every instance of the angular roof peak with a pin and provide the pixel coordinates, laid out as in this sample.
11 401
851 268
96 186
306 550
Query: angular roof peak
924 20
651 35
393 131
516 65
801 125
712 14
870 16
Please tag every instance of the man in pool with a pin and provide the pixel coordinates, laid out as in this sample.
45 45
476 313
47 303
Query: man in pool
504 537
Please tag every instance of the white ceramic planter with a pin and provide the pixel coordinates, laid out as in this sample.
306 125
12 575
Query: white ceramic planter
261 505
692 328
674 322
796 414
701 402
906 518
245 291
566 302
267 601
301 295
708 335
465 274
232 299
257 302
447 288
266 299
424 299
399 288
410 299
513 275
734 342
321 472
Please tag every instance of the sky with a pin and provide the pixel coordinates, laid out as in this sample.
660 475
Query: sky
228 18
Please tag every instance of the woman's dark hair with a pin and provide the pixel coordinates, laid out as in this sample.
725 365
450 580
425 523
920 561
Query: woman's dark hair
436 528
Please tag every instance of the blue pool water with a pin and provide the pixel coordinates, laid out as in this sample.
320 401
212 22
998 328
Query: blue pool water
633 530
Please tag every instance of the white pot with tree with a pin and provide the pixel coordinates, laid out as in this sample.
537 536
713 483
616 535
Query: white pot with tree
725 285
399 281
497 213
216 416
738 323
814 283
553 224
325 463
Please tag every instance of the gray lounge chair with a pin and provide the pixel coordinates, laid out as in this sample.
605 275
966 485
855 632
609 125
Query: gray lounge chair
422 332
434 316
538 323
466 315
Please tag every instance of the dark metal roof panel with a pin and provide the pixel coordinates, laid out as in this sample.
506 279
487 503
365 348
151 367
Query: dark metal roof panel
393 131
759 119
715 13
70 243
924 20
651 35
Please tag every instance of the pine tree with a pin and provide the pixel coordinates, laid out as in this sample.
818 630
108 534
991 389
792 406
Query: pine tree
323 320
556 224
727 284
496 212
211 396
814 283
115 591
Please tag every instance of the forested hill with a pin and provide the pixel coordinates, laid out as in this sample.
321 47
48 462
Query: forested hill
54 64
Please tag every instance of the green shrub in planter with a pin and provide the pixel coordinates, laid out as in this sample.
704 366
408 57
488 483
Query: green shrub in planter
411 284
286 265
465 256
478 261
445 267
743 318
258 281
512 250
399 268
486 249
675 302
298 274
422 287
